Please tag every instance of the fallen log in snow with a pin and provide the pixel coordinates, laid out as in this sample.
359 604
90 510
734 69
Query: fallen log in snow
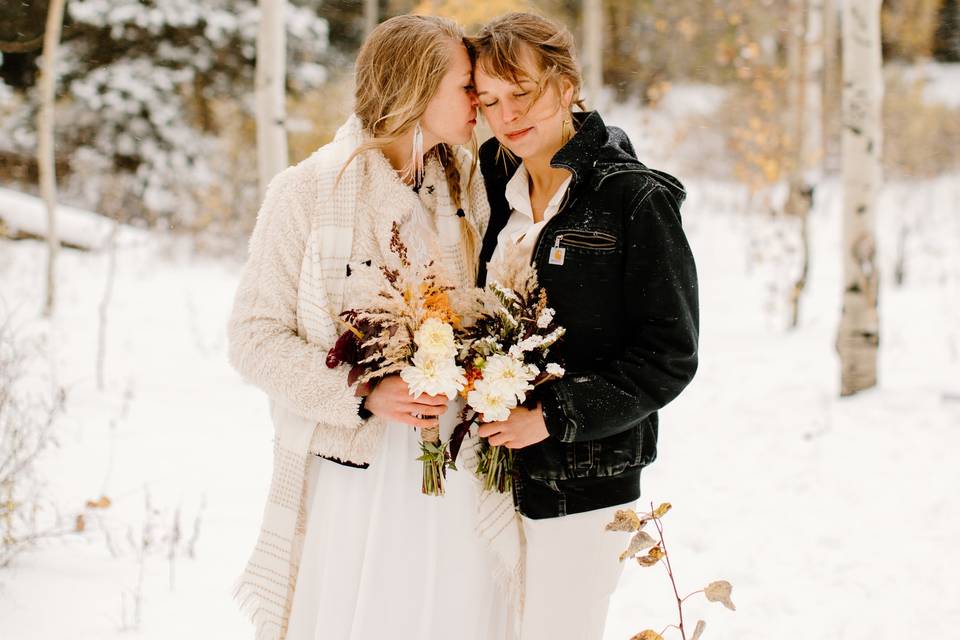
24 216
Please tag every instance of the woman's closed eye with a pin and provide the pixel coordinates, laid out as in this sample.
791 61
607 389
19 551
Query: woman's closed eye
520 94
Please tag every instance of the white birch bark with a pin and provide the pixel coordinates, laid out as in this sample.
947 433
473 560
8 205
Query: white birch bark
806 95
798 200
45 149
271 92
830 85
813 147
371 15
858 335
593 52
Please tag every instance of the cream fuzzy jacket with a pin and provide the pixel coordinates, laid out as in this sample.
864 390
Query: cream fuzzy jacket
310 228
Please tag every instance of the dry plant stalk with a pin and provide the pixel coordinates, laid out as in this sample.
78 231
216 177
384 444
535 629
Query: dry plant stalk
26 431
656 552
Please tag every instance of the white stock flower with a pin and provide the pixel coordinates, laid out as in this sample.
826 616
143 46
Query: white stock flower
511 373
525 345
433 376
545 318
555 370
435 339
493 400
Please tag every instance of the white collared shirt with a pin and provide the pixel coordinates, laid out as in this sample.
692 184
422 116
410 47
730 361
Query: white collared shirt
520 228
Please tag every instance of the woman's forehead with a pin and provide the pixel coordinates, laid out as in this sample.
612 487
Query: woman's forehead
514 74
517 64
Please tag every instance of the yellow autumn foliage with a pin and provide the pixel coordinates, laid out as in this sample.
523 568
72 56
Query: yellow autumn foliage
471 15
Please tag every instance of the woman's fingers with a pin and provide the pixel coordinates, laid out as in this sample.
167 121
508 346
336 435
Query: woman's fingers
489 429
413 421
426 409
499 439
431 400
391 399
496 433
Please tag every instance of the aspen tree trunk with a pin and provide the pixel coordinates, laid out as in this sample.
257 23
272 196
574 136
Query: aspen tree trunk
830 85
593 51
808 147
800 194
858 336
45 150
813 141
271 92
371 15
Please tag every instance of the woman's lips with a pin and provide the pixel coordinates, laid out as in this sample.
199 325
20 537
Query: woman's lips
519 134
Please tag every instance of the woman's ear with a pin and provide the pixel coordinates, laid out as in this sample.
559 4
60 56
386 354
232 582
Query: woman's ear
566 93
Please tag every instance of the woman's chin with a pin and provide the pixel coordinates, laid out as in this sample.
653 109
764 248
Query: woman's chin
460 139
519 150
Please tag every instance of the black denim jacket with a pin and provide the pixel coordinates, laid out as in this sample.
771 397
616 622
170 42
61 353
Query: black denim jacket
624 285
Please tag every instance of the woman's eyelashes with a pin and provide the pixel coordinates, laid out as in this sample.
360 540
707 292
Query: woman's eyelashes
520 94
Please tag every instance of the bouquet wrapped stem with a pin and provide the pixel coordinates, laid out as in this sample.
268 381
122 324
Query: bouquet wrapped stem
435 462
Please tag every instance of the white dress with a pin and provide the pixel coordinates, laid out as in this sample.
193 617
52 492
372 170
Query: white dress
382 560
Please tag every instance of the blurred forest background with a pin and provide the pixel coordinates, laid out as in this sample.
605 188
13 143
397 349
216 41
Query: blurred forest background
156 125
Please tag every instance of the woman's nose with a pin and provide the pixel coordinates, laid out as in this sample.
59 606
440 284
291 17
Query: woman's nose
509 113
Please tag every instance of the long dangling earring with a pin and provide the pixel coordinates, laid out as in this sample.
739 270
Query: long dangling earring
506 157
566 130
416 157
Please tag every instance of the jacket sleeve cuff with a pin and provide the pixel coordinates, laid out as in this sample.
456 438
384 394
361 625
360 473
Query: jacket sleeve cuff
362 410
553 404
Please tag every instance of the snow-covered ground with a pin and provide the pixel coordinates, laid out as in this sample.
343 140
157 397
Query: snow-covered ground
833 518
939 80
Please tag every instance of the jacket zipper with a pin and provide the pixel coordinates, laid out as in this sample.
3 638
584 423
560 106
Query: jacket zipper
571 240
543 231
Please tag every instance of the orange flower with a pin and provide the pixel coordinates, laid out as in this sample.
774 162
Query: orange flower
437 304
472 374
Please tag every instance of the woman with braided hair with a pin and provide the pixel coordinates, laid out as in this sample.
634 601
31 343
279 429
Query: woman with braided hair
349 548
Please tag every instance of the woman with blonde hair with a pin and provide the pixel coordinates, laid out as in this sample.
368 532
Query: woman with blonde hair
349 548
604 234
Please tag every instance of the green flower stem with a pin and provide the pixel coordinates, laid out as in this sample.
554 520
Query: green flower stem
435 460
495 468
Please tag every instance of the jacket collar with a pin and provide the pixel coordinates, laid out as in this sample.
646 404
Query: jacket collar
596 151
582 151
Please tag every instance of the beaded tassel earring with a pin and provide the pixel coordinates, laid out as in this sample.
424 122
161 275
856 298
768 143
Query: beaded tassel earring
416 159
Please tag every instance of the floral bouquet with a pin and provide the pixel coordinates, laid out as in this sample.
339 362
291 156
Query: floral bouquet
408 328
505 354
